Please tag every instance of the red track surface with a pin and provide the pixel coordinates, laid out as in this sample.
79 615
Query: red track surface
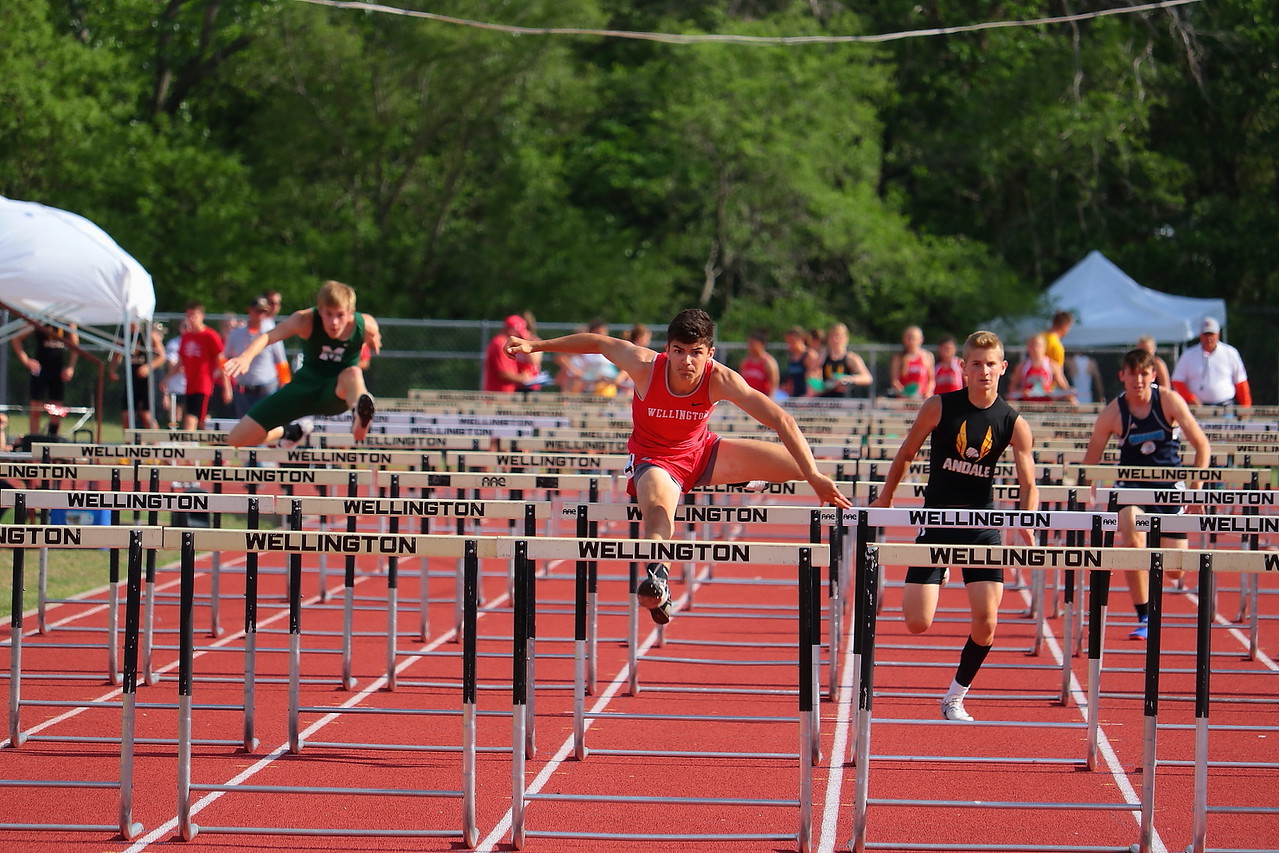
910 674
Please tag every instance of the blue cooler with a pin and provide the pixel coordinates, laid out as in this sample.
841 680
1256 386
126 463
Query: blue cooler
80 517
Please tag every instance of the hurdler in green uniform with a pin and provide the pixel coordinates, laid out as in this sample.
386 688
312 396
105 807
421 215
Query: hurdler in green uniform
330 380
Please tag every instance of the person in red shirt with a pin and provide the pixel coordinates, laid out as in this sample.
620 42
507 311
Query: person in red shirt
949 373
671 447
200 361
912 368
504 372
759 368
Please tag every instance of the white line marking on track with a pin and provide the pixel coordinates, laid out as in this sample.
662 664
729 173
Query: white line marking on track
373 687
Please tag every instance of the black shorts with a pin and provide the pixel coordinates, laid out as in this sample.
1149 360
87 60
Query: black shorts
48 387
955 536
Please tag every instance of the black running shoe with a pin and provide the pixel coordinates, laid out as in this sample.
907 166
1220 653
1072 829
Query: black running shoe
363 416
654 593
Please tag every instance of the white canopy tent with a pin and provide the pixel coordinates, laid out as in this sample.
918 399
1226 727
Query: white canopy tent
1113 310
60 270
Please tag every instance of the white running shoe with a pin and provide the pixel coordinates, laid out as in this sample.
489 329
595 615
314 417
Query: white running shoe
757 485
952 708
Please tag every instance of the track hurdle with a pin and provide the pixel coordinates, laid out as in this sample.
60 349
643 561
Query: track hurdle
530 514
806 558
1097 560
20 538
1207 564
295 543
152 502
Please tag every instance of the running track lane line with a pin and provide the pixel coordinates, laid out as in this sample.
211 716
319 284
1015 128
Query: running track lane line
503 826
106 697
828 840
208 799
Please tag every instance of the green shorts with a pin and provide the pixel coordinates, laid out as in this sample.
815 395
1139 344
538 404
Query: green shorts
307 394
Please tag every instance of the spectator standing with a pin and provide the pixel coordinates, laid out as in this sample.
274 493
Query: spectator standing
1058 328
200 361
1037 378
640 335
273 301
51 368
1211 373
1085 378
949 373
267 371
912 368
758 367
588 372
504 373
173 388
841 368
143 361
802 378
1162 377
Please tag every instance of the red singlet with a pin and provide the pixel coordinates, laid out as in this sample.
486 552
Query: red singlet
1037 381
670 431
950 376
755 372
913 373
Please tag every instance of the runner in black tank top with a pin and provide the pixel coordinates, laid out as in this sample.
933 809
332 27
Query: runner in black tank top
969 430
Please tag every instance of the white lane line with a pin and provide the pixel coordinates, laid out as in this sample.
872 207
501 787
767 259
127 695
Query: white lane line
828 837
828 840
487 845
213 796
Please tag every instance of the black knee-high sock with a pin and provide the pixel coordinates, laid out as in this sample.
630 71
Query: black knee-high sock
970 660
1143 610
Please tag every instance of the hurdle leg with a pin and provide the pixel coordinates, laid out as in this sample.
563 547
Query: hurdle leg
42 594
866 628
148 625
1100 590
1067 632
1203 673
632 632
128 705
250 634
15 647
113 615
186 642
519 692
470 828
579 660
1154 642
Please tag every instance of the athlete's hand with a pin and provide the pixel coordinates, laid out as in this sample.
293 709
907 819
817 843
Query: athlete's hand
884 500
374 340
1027 537
516 345
232 367
828 492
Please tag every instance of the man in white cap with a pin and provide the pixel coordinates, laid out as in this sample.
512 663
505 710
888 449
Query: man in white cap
1212 373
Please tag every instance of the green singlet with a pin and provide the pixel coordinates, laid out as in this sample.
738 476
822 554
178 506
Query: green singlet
313 390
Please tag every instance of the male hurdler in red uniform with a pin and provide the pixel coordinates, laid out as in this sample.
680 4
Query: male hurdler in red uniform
671 448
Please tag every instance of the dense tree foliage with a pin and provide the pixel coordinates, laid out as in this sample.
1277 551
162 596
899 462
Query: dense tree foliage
458 172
